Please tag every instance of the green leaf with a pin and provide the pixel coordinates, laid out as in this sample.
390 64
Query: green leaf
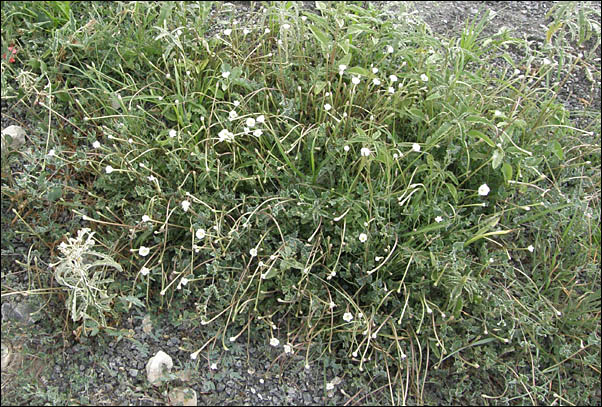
453 191
507 171
319 86
320 35
498 156
482 136
54 194
358 28
271 274
477 119
557 149
132 300
358 70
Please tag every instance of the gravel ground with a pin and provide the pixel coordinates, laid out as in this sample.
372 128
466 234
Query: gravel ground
107 371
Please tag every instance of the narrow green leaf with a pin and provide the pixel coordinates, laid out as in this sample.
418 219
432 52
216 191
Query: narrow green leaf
482 136
320 35
507 171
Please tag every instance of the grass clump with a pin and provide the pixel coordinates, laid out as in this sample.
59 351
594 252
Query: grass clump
327 179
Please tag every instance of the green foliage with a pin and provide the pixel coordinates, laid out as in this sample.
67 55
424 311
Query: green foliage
335 177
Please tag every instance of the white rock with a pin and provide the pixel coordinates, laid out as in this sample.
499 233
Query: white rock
158 365
182 396
17 135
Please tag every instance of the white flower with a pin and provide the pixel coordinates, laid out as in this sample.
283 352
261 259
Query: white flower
424 78
376 81
327 107
374 70
342 67
253 252
365 152
258 132
484 190
332 305
96 144
389 49
194 355
346 148
213 366
438 219
232 115
146 218
144 271
225 74
329 386
185 205
416 147
395 156
530 248
391 89
227 31
288 348
363 237
497 113
151 178
274 342
279 41
348 316
225 135
393 78
260 118
267 31
546 61
236 103
143 251
200 234
167 75
303 18
250 122
286 26
108 168
184 281
232 338
173 133
245 31
355 80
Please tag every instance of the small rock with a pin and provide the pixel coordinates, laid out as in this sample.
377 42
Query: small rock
16 135
19 312
182 396
133 372
156 366
7 355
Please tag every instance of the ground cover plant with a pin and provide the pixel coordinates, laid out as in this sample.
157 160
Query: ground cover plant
329 180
